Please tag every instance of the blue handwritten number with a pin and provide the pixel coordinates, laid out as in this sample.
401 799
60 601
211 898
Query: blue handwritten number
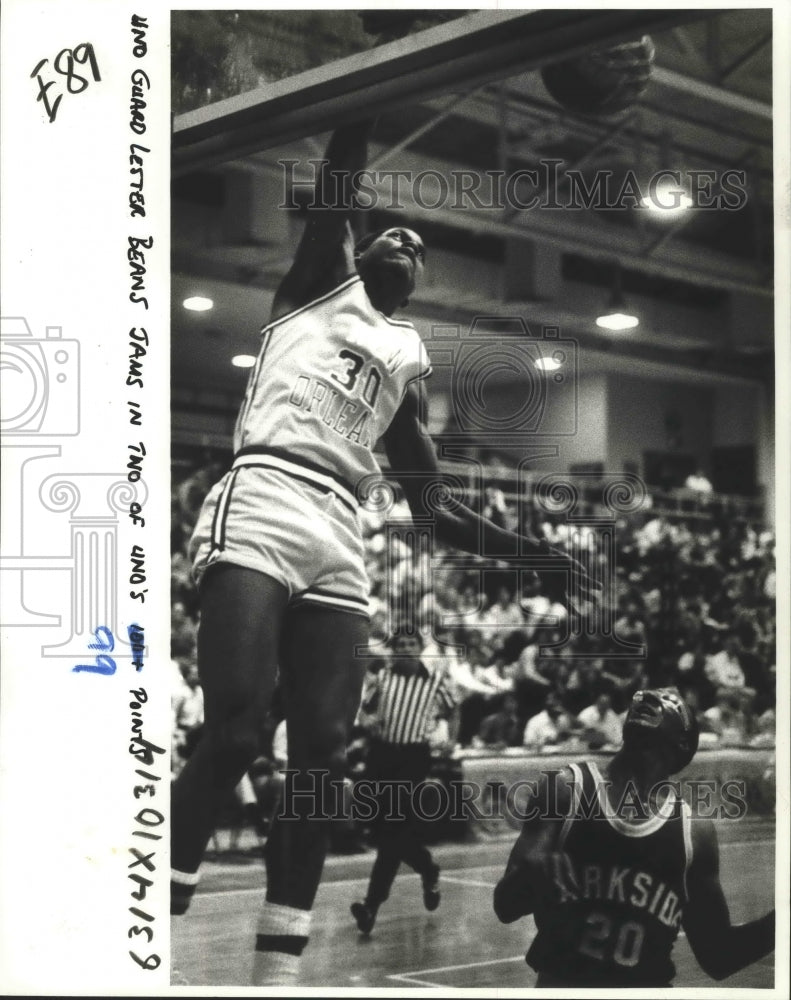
109 642
104 664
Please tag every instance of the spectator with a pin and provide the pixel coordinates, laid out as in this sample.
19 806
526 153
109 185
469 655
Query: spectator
188 712
538 610
503 728
552 726
497 673
623 678
729 718
602 727
178 691
192 492
533 677
183 630
470 604
584 683
723 669
497 510
698 483
765 726
629 628
503 611
468 678
698 595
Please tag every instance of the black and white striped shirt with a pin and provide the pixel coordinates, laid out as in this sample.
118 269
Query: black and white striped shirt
405 707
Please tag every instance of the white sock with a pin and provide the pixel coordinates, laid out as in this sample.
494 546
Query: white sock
282 933
184 878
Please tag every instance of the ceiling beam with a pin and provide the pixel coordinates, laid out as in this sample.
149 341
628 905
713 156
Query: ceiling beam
746 57
463 53
485 107
691 53
707 92
449 108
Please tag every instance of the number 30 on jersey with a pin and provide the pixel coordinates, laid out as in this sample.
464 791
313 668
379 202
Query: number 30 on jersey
352 365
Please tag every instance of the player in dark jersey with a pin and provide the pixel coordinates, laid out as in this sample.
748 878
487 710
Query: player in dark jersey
612 866
254 618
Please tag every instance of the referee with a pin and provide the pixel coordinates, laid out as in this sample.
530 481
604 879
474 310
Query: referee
400 709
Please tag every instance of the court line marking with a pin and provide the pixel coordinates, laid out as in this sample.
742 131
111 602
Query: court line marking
466 881
365 878
410 976
415 982
443 877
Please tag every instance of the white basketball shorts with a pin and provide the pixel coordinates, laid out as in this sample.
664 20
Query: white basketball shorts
304 537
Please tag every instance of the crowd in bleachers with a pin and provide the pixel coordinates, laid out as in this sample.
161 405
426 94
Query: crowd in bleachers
686 602
691 606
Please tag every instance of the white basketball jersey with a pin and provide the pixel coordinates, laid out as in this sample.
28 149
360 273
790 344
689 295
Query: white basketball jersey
326 385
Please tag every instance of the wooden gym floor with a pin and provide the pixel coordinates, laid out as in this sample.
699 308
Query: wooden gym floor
460 945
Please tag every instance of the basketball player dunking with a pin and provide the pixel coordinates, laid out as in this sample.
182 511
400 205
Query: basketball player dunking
613 866
278 551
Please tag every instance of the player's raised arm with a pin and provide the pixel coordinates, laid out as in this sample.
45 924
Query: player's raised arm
325 255
720 947
526 875
413 461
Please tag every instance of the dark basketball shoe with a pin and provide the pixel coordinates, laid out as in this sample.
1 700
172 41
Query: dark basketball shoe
431 895
180 897
365 917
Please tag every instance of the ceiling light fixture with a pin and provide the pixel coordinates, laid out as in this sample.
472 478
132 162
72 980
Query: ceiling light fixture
243 360
617 316
667 196
198 303
668 201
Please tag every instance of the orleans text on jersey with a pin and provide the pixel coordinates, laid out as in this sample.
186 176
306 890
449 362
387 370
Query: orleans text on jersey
327 383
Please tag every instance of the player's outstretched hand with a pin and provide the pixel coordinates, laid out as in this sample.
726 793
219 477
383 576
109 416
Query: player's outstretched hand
564 579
